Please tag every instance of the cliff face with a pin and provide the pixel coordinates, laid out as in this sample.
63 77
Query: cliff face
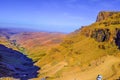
15 64
106 29
104 15
101 35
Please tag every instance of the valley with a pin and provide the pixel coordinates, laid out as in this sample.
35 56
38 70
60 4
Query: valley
80 55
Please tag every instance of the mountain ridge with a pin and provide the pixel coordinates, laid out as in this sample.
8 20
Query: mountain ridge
88 44
105 14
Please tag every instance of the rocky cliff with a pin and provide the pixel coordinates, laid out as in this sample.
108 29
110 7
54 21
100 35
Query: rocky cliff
15 64
104 15
106 29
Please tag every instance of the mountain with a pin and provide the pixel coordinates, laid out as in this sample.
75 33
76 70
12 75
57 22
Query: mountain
87 52
33 44
81 55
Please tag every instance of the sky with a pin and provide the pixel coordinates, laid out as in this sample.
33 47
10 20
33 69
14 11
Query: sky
53 15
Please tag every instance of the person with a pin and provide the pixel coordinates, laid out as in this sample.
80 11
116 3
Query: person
99 77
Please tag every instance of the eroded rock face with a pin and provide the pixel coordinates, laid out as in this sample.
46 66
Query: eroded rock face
104 15
101 35
15 64
117 39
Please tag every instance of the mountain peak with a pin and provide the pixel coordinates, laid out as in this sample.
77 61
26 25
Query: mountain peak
105 14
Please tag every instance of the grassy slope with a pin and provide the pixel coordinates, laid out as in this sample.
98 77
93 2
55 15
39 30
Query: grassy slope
80 55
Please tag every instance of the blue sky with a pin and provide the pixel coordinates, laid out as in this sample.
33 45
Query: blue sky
53 15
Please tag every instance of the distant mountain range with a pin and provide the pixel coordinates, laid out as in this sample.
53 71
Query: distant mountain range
30 42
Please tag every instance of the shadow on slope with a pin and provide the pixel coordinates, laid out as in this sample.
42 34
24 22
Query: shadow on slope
15 64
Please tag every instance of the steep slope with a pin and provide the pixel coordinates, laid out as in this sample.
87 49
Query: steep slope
16 65
5 35
90 50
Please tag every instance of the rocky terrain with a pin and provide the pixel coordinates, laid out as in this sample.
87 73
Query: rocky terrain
104 15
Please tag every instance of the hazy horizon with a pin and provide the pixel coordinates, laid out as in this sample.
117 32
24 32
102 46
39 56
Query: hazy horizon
52 15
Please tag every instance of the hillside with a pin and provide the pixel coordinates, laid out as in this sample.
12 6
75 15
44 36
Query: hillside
16 65
36 44
33 44
89 51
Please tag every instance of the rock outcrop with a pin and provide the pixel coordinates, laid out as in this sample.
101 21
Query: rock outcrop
104 15
117 39
101 35
15 64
